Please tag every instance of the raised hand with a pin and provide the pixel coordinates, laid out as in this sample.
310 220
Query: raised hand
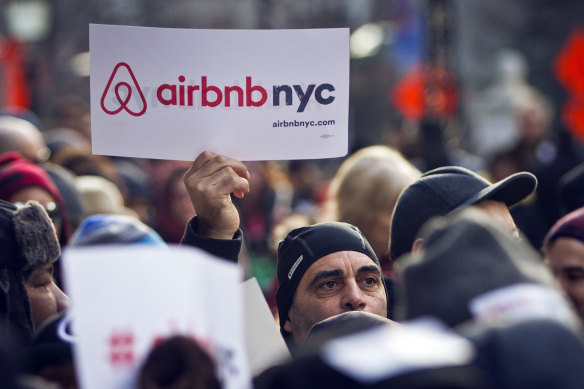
210 181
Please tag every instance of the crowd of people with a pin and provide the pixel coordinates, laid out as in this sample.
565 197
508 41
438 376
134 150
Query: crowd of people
380 271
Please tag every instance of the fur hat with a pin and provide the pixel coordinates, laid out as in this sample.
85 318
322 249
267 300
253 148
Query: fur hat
27 240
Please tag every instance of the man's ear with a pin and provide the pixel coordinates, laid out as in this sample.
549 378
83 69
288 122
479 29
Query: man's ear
288 326
417 246
288 323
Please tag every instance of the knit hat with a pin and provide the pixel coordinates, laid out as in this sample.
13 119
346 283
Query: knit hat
466 255
569 226
114 229
27 240
444 190
305 245
17 173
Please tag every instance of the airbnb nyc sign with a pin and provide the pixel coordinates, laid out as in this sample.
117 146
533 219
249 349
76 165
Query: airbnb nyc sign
250 94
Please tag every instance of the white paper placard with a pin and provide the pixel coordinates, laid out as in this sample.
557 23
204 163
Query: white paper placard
249 94
125 299
265 344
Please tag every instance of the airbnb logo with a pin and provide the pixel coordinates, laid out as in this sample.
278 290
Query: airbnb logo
120 94
123 93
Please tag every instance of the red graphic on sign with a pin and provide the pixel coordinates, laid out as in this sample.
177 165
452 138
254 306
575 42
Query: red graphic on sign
123 101
121 348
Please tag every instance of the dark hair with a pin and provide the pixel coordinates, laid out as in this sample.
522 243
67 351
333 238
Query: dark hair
178 363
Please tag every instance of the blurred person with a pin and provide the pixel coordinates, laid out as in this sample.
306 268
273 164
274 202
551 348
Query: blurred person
114 229
72 111
304 177
139 194
83 163
173 207
178 362
563 247
323 269
63 142
21 180
100 195
17 134
269 202
30 248
364 192
24 136
441 191
468 255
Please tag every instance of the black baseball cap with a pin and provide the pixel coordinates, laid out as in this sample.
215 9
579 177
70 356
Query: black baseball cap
444 190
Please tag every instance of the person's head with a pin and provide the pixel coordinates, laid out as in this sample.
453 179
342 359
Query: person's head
471 268
324 270
448 189
100 195
114 229
178 362
365 189
21 181
20 135
29 249
563 247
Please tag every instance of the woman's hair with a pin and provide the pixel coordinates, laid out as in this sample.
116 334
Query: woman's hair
368 183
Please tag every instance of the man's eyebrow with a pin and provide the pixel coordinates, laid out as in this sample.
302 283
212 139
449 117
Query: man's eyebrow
573 268
47 268
326 274
369 269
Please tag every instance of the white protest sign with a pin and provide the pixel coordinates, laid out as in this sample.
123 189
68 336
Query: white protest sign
265 344
249 94
126 299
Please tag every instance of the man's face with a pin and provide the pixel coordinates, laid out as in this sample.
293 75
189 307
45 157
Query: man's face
46 299
499 212
336 283
566 259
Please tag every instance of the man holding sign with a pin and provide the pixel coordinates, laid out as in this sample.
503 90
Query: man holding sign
323 270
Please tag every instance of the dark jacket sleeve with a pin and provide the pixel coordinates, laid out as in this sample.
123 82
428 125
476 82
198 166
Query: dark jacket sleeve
224 248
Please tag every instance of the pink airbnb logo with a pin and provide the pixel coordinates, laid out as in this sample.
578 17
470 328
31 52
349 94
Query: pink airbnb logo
122 100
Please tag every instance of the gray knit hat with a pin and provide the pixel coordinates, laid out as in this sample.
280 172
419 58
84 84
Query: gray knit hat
466 255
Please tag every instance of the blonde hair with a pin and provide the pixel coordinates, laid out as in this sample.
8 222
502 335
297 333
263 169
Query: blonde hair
368 183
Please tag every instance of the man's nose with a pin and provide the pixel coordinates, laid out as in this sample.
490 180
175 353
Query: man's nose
353 297
61 298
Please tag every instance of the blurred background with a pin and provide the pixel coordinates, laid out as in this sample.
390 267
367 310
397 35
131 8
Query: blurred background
493 85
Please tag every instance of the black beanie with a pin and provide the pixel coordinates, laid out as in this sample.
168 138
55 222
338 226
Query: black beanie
305 245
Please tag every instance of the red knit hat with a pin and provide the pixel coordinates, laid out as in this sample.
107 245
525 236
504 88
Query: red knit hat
17 173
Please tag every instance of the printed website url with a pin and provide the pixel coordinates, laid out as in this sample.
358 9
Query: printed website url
301 123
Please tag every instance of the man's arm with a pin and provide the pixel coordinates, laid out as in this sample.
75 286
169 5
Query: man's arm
210 181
